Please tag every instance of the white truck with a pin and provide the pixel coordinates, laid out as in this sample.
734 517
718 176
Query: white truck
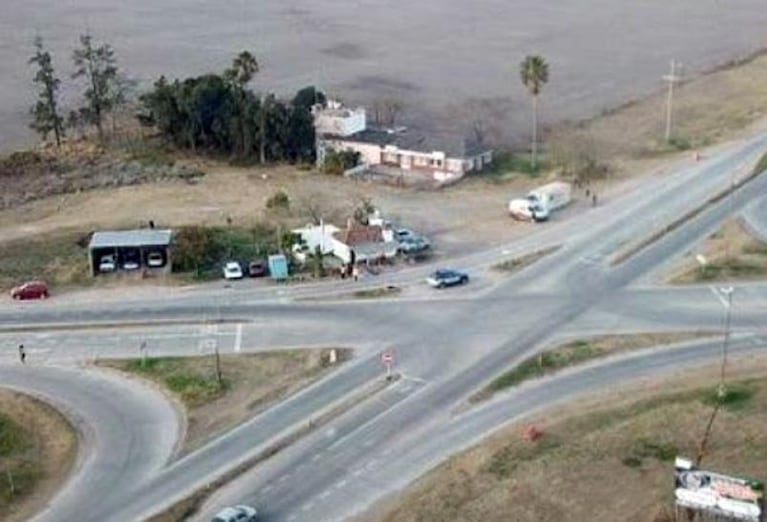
537 205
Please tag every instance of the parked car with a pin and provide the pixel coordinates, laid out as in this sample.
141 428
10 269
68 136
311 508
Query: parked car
155 260
232 270
258 269
414 244
30 290
403 234
130 265
107 264
447 277
236 514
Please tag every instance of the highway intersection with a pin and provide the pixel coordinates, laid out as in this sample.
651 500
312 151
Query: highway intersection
447 344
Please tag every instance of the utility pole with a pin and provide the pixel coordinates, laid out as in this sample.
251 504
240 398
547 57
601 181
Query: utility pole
728 291
671 79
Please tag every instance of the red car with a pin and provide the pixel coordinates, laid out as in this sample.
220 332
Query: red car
30 290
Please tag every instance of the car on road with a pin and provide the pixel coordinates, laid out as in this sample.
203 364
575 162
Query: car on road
445 277
258 269
107 264
30 290
232 270
236 514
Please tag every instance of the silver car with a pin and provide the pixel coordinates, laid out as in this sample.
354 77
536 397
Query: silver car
236 514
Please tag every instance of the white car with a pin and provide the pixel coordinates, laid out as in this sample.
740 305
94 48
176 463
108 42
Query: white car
232 270
154 260
236 514
107 264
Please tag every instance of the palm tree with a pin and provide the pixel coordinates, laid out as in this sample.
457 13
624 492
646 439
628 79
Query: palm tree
244 68
534 72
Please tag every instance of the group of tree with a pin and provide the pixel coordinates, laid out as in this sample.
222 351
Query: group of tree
104 89
218 113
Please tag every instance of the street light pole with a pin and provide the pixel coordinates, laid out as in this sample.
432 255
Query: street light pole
671 79
728 291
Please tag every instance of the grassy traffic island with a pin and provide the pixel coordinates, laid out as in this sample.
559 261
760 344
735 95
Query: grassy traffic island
38 447
577 352
249 383
731 254
600 458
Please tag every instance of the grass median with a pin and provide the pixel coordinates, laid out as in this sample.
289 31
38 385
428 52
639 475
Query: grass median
577 352
731 254
518 263
248 383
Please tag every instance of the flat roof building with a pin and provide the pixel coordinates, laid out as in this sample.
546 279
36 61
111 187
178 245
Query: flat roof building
115 250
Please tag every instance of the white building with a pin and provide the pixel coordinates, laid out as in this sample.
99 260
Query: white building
442 155
337 120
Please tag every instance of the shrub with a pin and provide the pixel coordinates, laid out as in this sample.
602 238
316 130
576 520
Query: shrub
278 201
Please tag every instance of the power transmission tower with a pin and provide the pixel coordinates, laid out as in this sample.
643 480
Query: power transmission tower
671 79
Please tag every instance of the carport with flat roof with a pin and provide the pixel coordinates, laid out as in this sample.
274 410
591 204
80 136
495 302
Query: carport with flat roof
139 249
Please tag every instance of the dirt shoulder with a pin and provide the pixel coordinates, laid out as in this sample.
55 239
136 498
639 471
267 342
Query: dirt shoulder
249 383
38 447
612 450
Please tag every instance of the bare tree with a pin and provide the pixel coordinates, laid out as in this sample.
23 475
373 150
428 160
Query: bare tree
392 108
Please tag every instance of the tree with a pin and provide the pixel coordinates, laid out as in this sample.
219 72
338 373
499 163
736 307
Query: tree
244 68
308 97
98 66
392 108
534 72
45 112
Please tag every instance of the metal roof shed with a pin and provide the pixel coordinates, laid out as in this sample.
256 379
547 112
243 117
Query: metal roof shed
131 249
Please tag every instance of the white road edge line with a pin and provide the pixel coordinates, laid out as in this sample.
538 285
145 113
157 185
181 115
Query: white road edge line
238 338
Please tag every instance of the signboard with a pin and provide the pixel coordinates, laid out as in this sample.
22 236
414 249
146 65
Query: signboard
387 358
717 494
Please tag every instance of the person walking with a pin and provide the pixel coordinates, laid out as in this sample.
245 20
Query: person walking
22 354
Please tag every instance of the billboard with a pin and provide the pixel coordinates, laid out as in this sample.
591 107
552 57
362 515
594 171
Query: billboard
717 494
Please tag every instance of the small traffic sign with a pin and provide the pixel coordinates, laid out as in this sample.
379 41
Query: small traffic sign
387 357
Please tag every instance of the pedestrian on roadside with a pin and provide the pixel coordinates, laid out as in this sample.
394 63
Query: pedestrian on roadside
594 200
22 354
355 272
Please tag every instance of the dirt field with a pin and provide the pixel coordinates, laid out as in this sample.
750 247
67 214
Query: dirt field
381 52
38 446
457 219
608 458
250 384
732 254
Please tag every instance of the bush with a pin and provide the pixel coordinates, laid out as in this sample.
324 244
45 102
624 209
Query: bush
278 201
338 162
204 249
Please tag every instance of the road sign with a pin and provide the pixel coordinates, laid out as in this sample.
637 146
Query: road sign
387 357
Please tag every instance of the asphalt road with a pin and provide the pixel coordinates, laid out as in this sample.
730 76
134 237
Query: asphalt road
128 432
447 345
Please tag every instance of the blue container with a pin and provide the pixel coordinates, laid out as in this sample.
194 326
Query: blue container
278 267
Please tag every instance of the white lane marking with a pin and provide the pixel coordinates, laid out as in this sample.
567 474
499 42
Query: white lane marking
719 296
316 457
307 506
325 494
238 338
341 484
267 488
357 472
292 517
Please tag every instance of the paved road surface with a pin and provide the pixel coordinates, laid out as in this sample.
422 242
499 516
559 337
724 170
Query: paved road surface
448 344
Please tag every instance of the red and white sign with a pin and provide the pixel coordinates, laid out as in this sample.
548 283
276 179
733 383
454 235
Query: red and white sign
387 357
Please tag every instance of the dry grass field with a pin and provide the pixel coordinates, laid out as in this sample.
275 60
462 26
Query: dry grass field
606 458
